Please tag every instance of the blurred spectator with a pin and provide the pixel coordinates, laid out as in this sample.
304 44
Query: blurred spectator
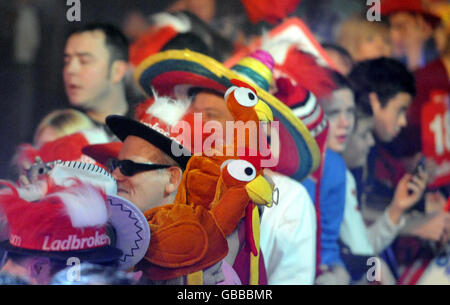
385 88
60 123
411 28
434 77
96 61
55 125
364 39
314 12
370 241
339 109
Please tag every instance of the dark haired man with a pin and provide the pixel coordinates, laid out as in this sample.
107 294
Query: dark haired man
385 88
95 63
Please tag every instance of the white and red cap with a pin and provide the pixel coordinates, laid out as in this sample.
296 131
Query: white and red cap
66 222
130 234
161 122
305 106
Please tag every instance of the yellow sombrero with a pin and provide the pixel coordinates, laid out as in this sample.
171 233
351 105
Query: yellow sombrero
176 71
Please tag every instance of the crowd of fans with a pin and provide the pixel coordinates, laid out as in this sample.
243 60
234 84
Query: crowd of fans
362 150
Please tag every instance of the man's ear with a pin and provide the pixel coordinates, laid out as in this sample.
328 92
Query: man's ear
39 269
375 103
175 175
118 70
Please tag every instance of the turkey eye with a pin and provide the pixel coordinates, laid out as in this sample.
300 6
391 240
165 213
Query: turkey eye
248 171
245 97
241 170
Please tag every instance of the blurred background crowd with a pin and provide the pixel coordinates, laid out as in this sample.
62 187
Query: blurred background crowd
388 108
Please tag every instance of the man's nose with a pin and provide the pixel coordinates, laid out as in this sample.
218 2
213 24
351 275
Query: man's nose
344 121
403 121
117 174
72 66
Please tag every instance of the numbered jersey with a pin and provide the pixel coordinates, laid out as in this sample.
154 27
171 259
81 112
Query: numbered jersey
436 135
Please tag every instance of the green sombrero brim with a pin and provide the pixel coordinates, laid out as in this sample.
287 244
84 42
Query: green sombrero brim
184 67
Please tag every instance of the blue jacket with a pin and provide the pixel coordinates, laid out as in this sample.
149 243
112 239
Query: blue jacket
332 197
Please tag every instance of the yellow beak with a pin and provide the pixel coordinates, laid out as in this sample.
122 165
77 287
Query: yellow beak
260 191
263 112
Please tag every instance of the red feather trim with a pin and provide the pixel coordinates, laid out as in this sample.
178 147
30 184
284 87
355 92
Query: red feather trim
249 222
239 83
303 69
269 10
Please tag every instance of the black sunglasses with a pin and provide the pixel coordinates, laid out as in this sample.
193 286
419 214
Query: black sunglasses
130 168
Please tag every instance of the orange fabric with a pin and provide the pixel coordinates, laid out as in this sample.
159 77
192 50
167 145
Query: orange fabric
184 240
241 114
190 234
198 186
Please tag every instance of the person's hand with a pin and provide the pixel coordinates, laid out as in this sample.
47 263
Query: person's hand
408 192
436 228
434 202
31 172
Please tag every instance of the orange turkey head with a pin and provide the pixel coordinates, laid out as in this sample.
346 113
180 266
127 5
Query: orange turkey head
244 104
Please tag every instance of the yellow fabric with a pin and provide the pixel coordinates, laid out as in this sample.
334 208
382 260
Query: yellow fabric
254 260
195 278
256 65
260 191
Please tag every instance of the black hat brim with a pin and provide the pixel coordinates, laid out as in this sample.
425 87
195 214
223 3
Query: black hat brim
123 127
95 255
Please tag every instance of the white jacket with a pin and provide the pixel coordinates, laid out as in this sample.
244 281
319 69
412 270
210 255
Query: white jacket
288 235
360 239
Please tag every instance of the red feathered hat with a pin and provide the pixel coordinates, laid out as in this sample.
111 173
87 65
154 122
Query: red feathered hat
183 128
67 148
67 222
303 68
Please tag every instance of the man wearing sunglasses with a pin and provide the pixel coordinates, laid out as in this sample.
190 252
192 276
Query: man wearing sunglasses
146 170
145 175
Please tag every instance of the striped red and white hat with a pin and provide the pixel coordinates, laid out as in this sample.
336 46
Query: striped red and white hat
305 106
